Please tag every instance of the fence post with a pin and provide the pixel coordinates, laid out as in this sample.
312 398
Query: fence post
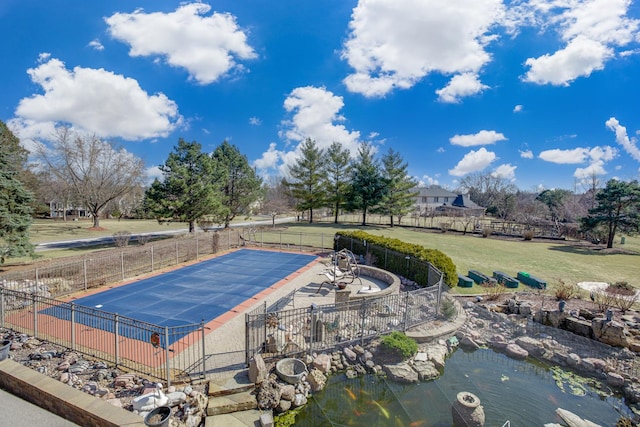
84 270
35 315
36 276
1 306
116 334
280 234
322 240
247 331
166 355
177 253
261 238
439 296
152 258
363 315
122 264
197 246
73 326
300 241
406 312
204 352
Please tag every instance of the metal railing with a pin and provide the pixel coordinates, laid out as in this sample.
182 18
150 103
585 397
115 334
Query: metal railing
173 354
304 330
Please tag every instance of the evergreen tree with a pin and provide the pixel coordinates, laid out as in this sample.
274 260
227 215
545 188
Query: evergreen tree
337 162
617 210
15 200
367 183
399 197
239 185
187 192
307 183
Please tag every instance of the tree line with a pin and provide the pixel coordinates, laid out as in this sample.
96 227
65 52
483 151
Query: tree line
214 188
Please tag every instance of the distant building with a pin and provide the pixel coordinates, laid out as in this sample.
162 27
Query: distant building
435 199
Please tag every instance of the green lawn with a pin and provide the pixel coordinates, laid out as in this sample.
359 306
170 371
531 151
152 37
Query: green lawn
549 261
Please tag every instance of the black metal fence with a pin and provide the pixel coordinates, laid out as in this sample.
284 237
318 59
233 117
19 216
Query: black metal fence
172 354
318 327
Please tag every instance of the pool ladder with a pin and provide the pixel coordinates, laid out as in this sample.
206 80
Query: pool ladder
507 424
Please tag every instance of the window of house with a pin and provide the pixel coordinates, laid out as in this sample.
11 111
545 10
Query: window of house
424 199
435 200
446 199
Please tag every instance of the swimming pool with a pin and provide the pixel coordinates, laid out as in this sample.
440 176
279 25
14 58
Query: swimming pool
197 293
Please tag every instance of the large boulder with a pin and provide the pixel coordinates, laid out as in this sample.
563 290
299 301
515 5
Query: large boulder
257 369
401 372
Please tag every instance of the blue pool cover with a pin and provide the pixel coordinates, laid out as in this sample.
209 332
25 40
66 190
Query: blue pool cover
199 292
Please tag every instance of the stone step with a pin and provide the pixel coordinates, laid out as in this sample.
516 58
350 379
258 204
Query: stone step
250 418
231 403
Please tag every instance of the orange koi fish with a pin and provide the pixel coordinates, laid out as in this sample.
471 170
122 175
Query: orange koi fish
350 393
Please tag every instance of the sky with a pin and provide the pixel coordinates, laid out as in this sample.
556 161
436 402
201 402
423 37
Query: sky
544 94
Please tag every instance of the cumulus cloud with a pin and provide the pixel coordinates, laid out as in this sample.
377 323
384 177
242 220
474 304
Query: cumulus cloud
427 180
506 171
96 44
152 173
254 121
473 161
526 154
316 114
395 43
595 157
206 46
460 86
484 137
628 144
518 108
591 30
93 100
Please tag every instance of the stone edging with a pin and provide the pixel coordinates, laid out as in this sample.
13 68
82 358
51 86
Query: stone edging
61 399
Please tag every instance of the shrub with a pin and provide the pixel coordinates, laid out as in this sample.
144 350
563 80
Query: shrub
493 289
121 238
448 308
528 235
623 295
486 232
565 291
400 344
444 226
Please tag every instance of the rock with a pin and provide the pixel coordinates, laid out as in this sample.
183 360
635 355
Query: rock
437 354
299 400
469 344
515 351
317 380
533 346
322 362
350 354
426 370
572 420
401 372
573 360
283 406
176 398
615 380
287 392
257 369
268 394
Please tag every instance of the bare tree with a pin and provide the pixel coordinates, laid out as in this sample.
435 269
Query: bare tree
94 170
276 199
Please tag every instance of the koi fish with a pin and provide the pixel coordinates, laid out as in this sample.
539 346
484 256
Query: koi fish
399 422
382 410
357 413
416 423
350 393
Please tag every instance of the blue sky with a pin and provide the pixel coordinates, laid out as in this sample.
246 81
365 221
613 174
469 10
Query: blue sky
543 93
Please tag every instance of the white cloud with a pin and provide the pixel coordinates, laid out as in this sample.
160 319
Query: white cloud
526 154
563 157
96 101
315 115
506 171
461 85
96 44
152 173
484 137
518 108
473 161
629 145
206 46
269 159
254 121
427 180
440 150
395 43
592 30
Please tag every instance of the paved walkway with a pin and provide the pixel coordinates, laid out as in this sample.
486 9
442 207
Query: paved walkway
20 413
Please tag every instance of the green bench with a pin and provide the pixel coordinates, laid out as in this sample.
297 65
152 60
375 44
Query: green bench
506 280
478 277
531 281
464 281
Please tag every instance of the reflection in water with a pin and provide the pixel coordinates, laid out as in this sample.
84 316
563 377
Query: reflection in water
524 393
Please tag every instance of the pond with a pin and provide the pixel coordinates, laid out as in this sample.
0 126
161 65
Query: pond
525 393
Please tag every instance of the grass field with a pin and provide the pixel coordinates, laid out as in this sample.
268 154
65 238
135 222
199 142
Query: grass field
551 261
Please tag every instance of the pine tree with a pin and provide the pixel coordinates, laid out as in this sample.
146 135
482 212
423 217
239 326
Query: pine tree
307 182
187 192
367 184
337 162
399 197
15 200
238 183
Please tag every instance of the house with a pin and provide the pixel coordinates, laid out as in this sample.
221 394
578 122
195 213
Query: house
435 199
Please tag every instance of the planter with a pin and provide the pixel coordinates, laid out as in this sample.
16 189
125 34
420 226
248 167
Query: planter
467 411
159 417
4 349
291 370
